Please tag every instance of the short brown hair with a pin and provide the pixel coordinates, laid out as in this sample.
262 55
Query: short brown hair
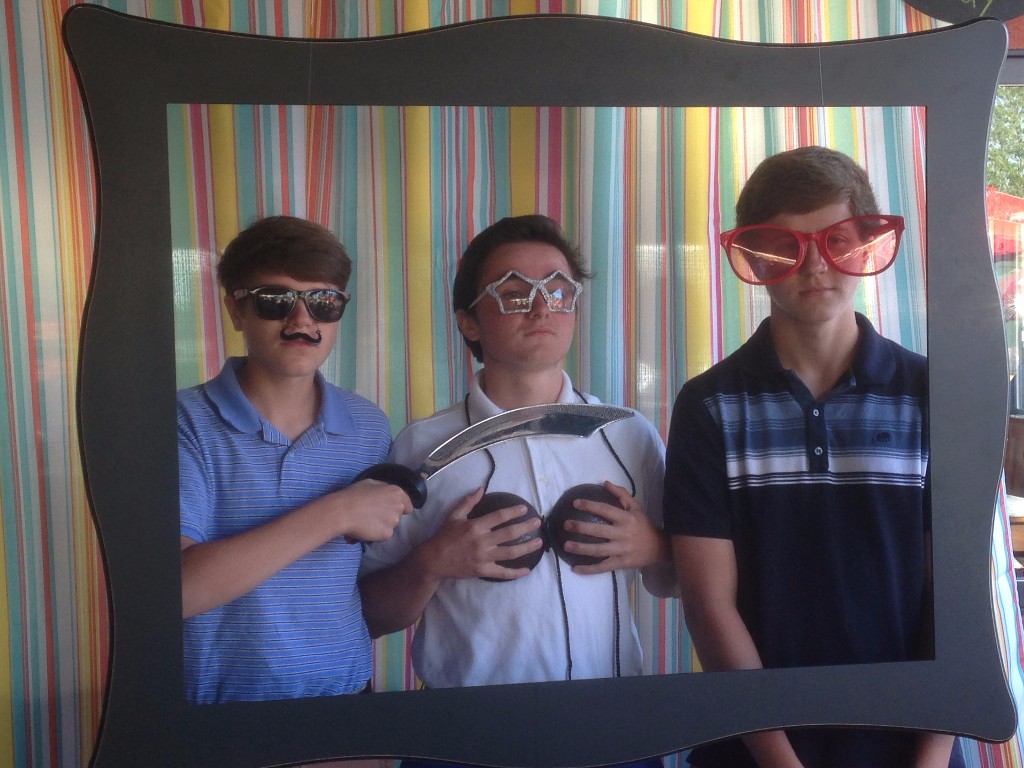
803 180
289 245
532 228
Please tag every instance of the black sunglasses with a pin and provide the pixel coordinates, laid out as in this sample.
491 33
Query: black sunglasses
271 302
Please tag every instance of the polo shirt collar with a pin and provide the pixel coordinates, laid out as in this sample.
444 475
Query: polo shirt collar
334 413
235 408
873 360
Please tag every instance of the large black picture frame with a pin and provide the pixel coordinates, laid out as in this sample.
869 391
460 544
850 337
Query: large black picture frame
130 69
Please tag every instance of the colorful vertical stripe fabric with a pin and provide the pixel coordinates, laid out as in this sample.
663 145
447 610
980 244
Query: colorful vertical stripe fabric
644 193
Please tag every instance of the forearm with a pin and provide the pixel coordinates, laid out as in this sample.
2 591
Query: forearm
215 573
394 597
721 639
659 576
709 578
771 749
723 643
933 750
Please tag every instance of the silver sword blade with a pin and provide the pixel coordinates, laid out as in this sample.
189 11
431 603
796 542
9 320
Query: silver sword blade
572 419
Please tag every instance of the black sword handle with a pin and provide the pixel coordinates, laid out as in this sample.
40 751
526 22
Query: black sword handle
407 479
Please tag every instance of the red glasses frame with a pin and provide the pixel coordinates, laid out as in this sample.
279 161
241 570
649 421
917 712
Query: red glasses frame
759 267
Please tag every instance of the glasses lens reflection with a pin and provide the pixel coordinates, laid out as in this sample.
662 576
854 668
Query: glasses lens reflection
324 305
860 246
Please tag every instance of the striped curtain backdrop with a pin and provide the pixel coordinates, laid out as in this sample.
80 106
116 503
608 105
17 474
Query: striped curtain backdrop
644 192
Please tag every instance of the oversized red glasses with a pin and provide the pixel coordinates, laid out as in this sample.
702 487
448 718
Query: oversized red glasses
861 245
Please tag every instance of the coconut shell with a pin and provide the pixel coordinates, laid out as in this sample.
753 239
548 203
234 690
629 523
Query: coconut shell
491 502
564 510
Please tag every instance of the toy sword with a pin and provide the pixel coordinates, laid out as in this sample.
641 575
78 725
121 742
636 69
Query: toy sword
572 419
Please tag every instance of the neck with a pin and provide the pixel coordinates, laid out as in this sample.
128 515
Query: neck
819 354
289 403
518 390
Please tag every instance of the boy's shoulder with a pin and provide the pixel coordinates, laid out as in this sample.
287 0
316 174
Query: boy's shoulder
904 356
341 406
887 366
189 397
416 440
206 400
636 427
217 392
348 397
749 368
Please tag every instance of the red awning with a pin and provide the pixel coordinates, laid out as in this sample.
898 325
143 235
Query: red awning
1005 223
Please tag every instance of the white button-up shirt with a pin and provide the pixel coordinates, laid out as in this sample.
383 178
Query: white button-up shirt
477 632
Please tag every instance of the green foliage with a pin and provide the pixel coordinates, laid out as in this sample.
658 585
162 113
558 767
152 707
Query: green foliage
1005 166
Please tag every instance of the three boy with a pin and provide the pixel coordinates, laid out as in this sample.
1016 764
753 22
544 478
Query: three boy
796 490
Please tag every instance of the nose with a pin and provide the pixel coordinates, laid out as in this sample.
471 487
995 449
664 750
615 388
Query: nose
813 260
300 314
539 305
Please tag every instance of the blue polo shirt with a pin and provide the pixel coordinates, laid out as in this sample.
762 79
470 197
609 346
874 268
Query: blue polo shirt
301 632
826 501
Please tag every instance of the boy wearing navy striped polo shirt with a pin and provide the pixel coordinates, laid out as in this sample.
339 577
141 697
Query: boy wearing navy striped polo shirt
270 518
796 486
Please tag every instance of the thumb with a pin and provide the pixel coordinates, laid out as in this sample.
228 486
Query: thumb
464 507
619 493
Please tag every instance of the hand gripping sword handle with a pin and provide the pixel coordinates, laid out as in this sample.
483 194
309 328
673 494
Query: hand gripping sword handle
405 478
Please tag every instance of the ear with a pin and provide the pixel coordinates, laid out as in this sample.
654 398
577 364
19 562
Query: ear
467 325
235 310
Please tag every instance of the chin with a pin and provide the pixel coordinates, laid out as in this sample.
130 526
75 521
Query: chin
305 365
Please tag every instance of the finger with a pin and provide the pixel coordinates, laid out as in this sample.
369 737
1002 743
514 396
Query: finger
616 491
507 551
396 499
495 571
599 508
504 534
505 515
368 485
611 564
464 507
383 530
604 531
594 549
620 493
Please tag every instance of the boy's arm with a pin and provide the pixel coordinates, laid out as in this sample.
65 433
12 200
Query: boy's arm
708 580
659 577
217 572
933 750
394 597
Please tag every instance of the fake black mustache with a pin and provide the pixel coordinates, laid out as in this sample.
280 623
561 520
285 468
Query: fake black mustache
300 336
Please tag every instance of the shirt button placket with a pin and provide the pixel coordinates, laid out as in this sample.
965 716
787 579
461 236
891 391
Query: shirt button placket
817 439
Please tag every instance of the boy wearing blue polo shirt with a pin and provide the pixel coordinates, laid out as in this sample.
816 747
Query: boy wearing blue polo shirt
270 519
796 486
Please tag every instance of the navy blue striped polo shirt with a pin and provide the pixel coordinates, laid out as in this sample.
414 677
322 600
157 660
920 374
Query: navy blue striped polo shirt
826 501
